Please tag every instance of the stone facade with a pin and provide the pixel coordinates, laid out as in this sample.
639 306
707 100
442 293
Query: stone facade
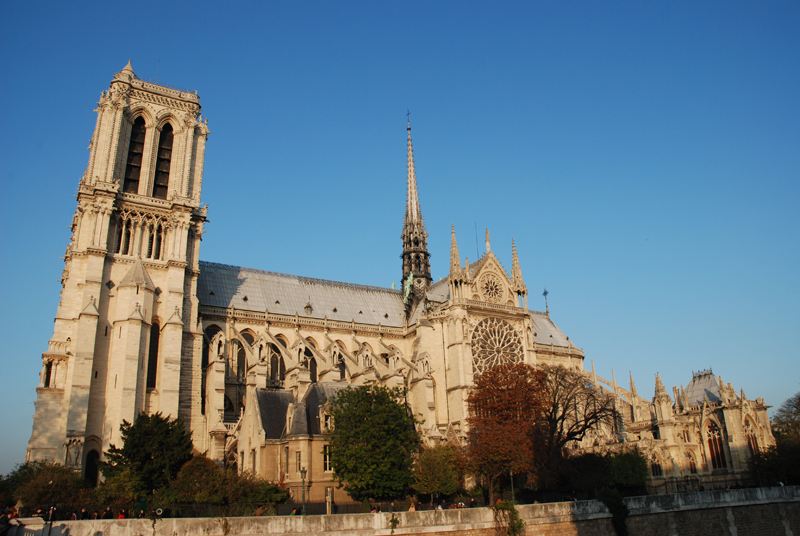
248 358
701 438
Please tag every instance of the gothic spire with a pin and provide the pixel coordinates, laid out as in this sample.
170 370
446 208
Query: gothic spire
416 259
455 258
633 385
516 272
413 212
661 392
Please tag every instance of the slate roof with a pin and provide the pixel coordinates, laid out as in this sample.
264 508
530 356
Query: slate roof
273 403
306 413
222 285
137 276
546 332
703 384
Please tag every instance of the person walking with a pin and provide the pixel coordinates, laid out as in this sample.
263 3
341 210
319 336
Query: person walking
108 514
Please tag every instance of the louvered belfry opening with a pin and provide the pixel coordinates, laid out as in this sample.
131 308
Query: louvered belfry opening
152 358
161 184
133 167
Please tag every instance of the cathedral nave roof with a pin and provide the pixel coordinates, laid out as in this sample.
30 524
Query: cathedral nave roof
222 285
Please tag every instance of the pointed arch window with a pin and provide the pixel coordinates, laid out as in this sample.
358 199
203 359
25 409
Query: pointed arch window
163 159
133 166
312 369
241 362
752 440
655 467
274 355
715 447
152 357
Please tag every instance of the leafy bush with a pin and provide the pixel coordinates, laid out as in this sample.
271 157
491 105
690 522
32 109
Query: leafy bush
506 519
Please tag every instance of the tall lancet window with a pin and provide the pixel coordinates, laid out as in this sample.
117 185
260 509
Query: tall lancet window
152 357
715 446
161 184
133 167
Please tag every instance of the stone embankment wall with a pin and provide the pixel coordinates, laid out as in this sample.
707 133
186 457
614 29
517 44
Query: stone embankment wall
745 512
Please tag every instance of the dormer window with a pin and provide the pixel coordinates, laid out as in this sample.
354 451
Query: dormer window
161 183
328 421
133 167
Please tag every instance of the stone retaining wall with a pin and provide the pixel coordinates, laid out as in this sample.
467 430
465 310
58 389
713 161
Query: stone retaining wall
757 512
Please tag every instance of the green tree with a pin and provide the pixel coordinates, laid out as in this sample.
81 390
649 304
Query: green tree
373 442
154 448
438 470
200 480
121 490
592 472
629 468
40 485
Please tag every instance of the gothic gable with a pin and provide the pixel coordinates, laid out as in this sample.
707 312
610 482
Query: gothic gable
491 283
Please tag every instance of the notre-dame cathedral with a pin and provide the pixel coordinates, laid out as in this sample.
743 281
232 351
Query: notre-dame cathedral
248 358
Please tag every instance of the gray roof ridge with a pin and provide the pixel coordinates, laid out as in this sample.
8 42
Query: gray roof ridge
475 266
304 279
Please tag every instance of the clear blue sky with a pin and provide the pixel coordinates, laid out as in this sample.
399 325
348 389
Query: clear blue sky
644 156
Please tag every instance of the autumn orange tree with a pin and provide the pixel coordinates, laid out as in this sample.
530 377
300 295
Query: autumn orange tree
502 408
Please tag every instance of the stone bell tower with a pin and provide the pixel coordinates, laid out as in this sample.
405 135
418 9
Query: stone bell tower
126 337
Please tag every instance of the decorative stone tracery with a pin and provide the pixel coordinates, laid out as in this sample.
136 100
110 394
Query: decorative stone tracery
491 288
495 341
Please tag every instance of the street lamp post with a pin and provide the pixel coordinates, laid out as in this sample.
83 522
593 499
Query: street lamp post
303 478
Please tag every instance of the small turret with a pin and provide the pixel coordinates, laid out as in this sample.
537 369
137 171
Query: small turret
455 259
662 401
661 392
516 278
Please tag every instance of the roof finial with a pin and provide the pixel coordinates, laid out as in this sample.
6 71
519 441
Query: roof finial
488 245
546 309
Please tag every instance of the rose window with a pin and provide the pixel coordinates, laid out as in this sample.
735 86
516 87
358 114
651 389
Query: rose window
491 288
494 342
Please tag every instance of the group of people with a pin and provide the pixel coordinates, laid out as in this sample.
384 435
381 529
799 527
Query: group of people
445 506
6 515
